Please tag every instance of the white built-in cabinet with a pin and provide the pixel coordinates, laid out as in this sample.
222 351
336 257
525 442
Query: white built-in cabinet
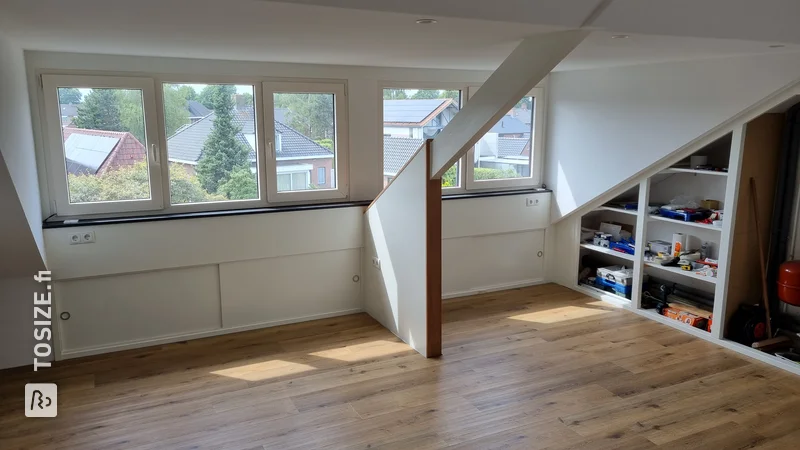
743 158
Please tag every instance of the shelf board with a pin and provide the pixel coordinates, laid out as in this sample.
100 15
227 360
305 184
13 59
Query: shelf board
695 171
607 251
684 273
686 224
631 212
603 295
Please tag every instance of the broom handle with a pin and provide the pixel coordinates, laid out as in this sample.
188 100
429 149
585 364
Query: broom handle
754 199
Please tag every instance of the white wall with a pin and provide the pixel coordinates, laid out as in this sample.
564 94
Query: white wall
493 243
16 320
606 125
144 283
16 142
395 230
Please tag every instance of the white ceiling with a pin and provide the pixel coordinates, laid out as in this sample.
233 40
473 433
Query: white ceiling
292 32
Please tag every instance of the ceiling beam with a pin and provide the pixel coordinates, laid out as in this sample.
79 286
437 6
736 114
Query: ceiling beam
526 66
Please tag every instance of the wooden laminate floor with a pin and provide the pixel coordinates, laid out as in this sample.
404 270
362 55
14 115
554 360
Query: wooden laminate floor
540 367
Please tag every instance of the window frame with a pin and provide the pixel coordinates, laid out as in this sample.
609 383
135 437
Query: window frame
260 152
58 184
462 87
537 150
341 139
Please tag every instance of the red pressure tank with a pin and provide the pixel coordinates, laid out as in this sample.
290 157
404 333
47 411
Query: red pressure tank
789 282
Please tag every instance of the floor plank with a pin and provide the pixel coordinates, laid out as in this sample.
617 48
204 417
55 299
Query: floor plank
538 367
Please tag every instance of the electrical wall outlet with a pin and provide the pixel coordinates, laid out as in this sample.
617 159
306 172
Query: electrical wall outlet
376 262
531 201
87 237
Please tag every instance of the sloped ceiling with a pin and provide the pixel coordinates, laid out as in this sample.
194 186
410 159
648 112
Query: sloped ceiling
469 35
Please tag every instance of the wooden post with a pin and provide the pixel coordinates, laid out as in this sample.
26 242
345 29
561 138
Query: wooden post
433 206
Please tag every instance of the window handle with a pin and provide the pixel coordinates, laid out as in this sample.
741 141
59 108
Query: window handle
154 157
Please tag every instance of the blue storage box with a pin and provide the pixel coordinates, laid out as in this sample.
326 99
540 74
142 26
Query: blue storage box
616 279
684 215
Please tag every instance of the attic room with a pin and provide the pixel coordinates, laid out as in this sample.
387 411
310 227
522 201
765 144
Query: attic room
376 224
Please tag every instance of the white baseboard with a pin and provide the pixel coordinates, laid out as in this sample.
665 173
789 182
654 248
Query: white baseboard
493 288
77 353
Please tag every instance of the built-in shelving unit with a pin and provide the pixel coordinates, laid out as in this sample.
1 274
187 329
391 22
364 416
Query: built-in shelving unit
681 185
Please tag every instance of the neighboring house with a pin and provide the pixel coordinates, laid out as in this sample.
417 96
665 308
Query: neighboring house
301 162
196 110
396 153
68 112
94 152
507 145
417 118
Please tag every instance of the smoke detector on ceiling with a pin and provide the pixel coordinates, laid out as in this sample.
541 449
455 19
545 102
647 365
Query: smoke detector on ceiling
427 21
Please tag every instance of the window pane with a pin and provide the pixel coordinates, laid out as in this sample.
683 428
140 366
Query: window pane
409 117
105 146
211 142
505 152
305 139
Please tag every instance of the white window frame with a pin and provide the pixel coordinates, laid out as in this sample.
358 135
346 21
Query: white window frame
324 171
463 87
341 140
537 151
56 157
223 205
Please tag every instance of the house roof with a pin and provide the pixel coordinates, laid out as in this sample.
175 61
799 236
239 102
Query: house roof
186 144
397 151
87 151
510 147
416 112
196 109
510 125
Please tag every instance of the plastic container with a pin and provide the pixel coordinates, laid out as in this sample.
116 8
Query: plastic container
789 282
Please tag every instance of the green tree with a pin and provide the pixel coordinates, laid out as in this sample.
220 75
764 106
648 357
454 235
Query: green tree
100 111
222 152
483 173
425 94
242 185
327 143
309 113
454 94
125 183
68 96
449 177
394 94
132 183
175 113
186 91
210 92
184 188
248 99
131 114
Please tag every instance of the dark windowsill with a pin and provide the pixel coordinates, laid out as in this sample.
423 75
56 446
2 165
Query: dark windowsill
60 221
496 193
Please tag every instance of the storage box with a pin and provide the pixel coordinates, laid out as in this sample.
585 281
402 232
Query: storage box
660 247
686 215
617 279
686 317
617 274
